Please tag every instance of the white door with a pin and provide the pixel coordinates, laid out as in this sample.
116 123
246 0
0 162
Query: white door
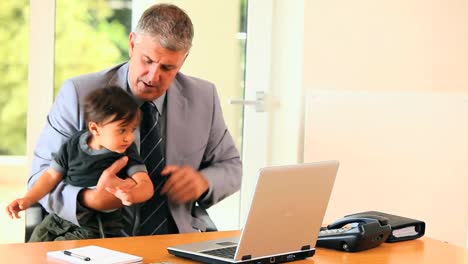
257 82
231 213
273 106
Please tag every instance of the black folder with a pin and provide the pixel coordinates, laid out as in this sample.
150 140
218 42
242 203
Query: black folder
403 228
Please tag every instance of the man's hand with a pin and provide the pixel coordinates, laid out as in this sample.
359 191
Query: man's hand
109 176
100 199
184 184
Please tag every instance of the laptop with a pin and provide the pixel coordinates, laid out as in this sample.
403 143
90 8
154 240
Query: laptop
284 219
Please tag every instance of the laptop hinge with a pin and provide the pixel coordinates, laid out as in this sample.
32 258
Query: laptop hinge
246 257
307 247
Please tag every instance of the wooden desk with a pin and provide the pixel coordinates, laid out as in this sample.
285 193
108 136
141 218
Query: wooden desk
153 249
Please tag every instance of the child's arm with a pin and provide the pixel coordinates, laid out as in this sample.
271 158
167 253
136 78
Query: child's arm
46 183
141 192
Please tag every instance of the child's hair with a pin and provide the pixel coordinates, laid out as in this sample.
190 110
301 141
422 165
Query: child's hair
110 104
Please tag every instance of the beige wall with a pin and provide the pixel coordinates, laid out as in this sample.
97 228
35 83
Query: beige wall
387 44
387 85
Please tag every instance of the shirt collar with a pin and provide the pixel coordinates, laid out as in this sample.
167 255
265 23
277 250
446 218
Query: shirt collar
158 102
83 141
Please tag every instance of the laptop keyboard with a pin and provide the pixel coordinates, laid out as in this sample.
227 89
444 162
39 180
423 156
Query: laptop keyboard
227 252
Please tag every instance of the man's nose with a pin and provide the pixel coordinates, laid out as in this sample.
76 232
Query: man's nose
154 74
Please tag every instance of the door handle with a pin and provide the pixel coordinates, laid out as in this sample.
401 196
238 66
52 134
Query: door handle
258 103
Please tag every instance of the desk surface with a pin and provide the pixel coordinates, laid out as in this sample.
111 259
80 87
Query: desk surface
153 249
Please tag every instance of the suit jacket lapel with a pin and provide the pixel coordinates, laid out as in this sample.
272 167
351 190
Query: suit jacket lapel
176 120
120 77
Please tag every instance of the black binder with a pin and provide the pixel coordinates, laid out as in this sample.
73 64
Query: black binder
403 228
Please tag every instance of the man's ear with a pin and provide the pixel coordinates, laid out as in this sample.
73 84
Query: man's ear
94 128
131 43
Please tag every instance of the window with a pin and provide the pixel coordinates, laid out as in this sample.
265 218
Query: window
14 51
90 36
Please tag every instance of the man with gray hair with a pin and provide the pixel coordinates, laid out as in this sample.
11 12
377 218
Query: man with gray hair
183 139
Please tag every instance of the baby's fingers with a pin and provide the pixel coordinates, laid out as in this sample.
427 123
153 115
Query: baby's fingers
9 212
13 212
12 209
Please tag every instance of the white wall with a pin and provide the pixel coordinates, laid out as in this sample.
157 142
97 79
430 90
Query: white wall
388 97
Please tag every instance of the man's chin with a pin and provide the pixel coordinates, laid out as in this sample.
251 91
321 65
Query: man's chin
147 94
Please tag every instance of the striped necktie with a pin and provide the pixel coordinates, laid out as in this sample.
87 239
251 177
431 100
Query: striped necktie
151 217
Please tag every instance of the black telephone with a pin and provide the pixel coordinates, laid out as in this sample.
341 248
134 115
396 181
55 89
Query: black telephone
355 233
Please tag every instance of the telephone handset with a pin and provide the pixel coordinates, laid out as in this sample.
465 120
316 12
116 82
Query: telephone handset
355 233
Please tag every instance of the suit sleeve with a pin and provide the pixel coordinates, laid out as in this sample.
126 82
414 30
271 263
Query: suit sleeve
62 122
221 163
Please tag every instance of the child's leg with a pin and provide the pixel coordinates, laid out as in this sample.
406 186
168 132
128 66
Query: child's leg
54 228
78 233
43 231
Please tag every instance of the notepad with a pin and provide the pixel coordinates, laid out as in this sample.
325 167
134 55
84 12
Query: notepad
96 254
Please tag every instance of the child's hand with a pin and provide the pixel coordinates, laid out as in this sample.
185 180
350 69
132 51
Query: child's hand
16 206
124 194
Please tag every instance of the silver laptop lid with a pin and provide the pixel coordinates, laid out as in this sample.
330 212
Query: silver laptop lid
287 209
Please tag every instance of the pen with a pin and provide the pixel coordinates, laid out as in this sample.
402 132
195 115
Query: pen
71 254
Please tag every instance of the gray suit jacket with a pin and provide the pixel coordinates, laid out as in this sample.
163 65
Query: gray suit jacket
196 136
